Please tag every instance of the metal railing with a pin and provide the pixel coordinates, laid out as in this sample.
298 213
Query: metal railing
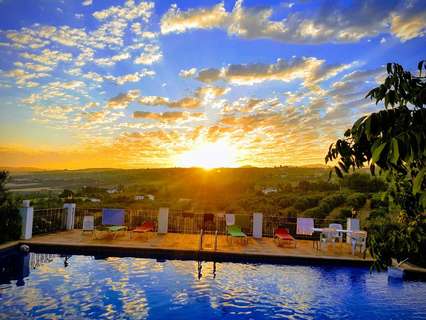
193 222
49 220
179 221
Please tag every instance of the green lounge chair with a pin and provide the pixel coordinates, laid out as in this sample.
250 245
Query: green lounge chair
235 232
112 221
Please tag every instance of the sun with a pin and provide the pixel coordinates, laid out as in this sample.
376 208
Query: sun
209 155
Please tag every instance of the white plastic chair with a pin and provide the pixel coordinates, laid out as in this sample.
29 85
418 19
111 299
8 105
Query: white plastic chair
336 235
88 224
359 239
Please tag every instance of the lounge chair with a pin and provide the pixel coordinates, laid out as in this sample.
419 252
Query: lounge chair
235 232
88 225
147 226
282 234
112 221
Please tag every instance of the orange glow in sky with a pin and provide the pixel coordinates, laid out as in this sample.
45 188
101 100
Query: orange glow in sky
209 155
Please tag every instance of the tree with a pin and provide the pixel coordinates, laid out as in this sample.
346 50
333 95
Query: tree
67 194
10 220
393 141
3 192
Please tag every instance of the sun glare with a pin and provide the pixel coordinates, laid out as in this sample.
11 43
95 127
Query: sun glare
209 155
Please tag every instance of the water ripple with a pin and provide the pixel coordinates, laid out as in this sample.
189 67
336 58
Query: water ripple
131 288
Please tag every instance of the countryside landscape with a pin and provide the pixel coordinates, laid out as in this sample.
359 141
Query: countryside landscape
286 191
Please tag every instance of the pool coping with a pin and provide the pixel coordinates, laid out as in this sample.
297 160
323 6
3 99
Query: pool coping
189 254
9 246
108 250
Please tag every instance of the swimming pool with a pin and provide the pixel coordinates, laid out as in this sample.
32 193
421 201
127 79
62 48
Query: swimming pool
85 287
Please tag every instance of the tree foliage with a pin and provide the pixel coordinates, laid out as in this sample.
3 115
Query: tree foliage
10 220
393 141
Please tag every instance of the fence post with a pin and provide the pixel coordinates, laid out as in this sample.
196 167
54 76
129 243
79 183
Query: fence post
163 220
257 225
27 214
70 215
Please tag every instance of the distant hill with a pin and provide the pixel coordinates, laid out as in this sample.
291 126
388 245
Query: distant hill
316 165
21 169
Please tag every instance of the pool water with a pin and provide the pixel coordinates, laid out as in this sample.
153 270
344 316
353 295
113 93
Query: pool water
84 287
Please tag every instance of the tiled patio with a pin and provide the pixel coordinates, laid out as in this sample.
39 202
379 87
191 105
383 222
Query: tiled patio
190 243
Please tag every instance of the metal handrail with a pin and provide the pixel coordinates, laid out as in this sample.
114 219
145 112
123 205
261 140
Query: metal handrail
200 247
215 241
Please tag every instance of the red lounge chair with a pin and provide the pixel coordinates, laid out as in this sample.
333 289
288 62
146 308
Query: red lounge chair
147 226
282 234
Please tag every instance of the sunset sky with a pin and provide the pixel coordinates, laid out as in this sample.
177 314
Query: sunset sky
132 84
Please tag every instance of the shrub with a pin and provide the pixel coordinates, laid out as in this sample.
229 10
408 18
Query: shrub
304 203
397 240
330 202
289 212
362 182
345 213
286 201
378 213
316 212
356 200
10 226
377 202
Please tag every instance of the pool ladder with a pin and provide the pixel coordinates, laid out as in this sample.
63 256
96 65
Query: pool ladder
200 244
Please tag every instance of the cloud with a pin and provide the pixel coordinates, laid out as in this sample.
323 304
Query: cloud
131 77
167 116
110 61
93 76
152 53
123 100
24 78
174 20
310 70
201 95
43 114
189 73
130 11
342 23
185 103
48 57
409 26
87 2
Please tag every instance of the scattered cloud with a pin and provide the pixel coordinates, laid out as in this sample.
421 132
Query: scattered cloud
122 100
189 73
341 24
200 96
168 116
151 54
310 70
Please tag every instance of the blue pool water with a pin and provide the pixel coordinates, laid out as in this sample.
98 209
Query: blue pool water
82 287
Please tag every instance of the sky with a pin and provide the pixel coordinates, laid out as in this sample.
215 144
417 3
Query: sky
131 84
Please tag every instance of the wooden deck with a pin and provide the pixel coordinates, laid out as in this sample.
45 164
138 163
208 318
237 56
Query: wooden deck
187 246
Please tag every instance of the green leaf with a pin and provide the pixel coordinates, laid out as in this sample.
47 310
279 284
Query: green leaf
373 169
420 67
417 185
376 151
338 172
395 151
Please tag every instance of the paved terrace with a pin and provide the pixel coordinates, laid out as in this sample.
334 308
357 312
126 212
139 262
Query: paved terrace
179 245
